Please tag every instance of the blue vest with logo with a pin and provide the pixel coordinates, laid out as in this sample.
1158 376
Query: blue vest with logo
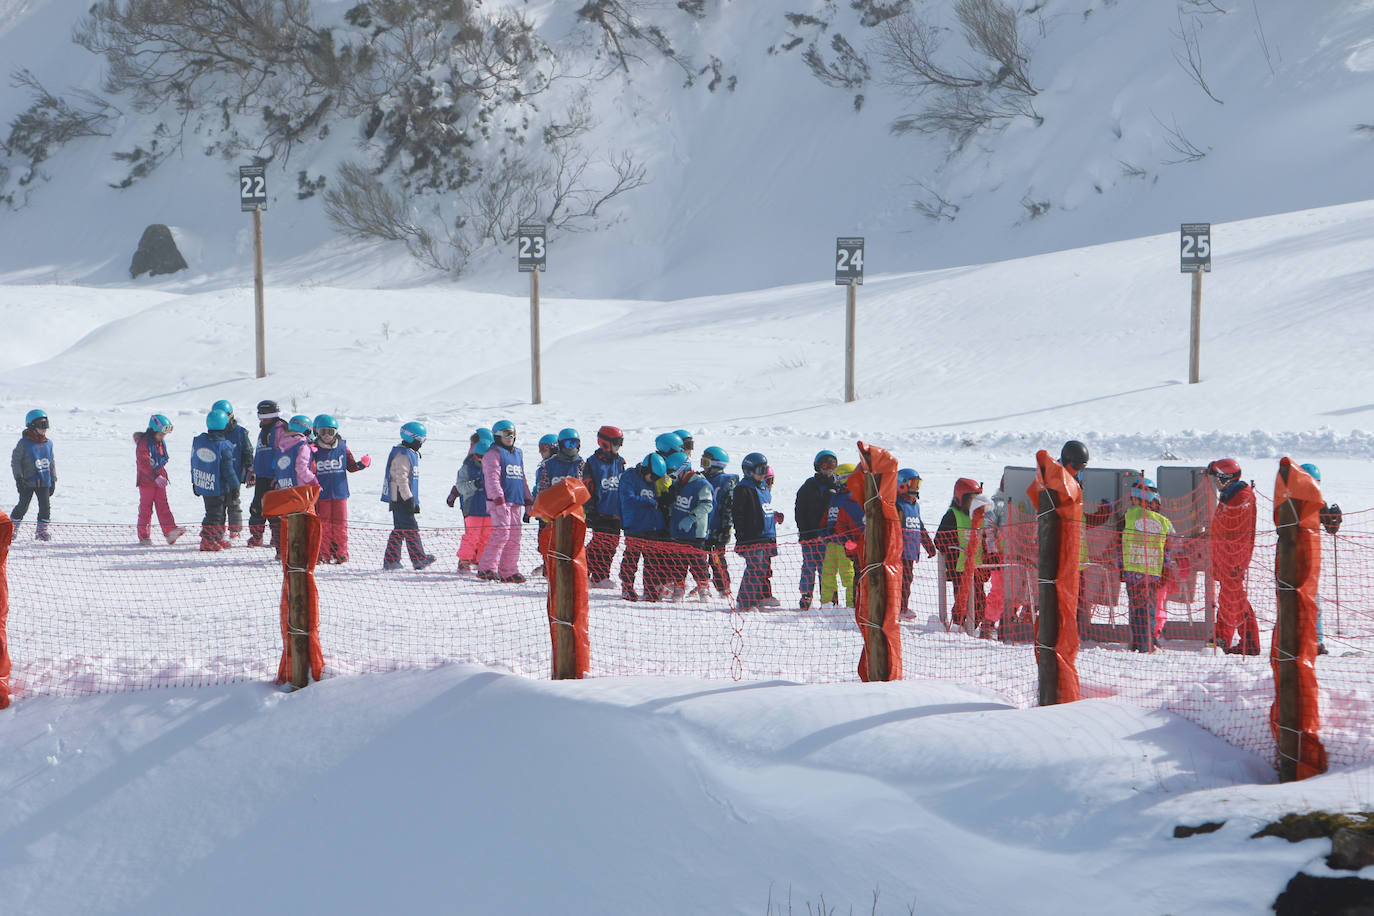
157 452
555 468
242 442
40 456
512 474
841 501
265 453
682 523
414 457
911 529
206 476
284 465
331 467
719 481
606 483
765 496
472 488
639 512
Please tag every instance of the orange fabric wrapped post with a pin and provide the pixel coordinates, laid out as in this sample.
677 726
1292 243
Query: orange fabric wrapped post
1059 502
283 503
563 546
6 538
1297 565
883 570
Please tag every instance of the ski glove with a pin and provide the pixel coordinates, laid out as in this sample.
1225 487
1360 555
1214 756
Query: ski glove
161 482
251 480
366 461
452 497
526 519
499 501
52 488
778 518
1330 518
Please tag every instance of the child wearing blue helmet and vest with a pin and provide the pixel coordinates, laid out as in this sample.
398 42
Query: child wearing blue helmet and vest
642 520
242 441
689 511
719 523
565 461
601 474
333 463
212 478
470 492
150 465
508 496
401 489
35 471
755 533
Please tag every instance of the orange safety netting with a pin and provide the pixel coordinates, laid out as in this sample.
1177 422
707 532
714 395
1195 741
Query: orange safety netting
281 503
882 466
564 500
1294 486
1054 478
6 538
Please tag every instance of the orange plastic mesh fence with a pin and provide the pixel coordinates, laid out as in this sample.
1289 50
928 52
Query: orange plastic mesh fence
91 613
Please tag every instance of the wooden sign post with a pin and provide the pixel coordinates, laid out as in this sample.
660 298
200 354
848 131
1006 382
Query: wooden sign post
531 259
1195 257
253 197
849 272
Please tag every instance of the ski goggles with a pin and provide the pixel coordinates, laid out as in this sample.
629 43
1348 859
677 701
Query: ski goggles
617 441
827 464
570 443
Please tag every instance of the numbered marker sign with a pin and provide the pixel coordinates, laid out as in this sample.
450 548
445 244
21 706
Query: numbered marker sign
849 262
252 187
1195 248
531 250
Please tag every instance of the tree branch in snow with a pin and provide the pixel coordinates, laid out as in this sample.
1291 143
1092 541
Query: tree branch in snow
1191 59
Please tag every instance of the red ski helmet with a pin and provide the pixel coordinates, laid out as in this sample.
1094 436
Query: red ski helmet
964 486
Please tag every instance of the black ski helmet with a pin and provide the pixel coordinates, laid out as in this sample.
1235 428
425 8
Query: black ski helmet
268 408
1074 454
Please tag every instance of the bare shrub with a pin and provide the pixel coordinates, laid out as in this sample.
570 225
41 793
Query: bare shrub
50 122
848 69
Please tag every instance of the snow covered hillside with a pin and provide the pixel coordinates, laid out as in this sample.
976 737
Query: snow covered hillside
750 182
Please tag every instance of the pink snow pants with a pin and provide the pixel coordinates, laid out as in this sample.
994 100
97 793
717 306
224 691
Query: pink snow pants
476 533
333 515
148 499
502 552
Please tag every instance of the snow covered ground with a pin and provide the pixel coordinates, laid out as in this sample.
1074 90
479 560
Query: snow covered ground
475 789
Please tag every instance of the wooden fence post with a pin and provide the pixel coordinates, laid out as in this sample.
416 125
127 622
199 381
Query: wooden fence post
298 597
565 637
1047 633
1286 663
875 583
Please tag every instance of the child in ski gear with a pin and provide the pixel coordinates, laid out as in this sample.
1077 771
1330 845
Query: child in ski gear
401 489
270 429
914 535
150 468
755 533
812 511
1233 542
1145 552
664 445
213 477
508 495
644 525
565 461
293 464
470 492
952 540
719 522
333 463
692 499
35 471
843 517
688 443
242 441
601 474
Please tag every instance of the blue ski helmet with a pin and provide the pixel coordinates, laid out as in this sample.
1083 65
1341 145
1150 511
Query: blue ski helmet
675 461
484 433
217 420
414 431
224 406
667 443
717 455
300 423
654 464
158 423
906 476
824 453
1313 470
325 421
548 439
481 447
567 433
686 436
501 426
754 461
33 416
